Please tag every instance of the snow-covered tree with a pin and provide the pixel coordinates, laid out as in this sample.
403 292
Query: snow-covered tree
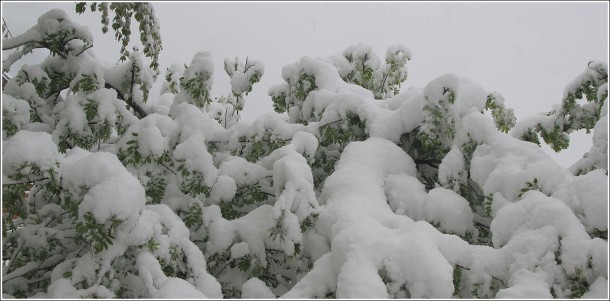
353 188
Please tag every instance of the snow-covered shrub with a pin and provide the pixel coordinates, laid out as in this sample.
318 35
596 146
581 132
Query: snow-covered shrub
352 189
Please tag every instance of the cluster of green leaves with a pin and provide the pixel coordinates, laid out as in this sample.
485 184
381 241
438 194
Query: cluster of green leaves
334 137
343 132
323 165
385 80
557 139
256 146
249 265
277 232
587 89
395 74
40 82
572 116
480 204
8 127
58 234
247 198
218 262
192 217
87 84
70 139
172 85
488 202
504 118
58 81
474 290
98 236
439 127
362 73
191 182
197 88
96 130
533 185
13 205
426 162
56 42
308 222
24 254
16 192
154 181
579 284
135 77
457 279
132 155
121 24
600 234
294 94
175 266
101 129
155 188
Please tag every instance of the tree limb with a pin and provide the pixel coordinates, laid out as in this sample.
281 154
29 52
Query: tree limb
139 111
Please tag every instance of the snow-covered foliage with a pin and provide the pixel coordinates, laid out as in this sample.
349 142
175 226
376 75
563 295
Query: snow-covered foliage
148 25
592 87
352 189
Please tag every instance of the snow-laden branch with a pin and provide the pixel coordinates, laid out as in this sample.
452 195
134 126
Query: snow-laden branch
29 36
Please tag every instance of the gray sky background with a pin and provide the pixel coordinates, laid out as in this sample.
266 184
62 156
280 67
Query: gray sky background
527 52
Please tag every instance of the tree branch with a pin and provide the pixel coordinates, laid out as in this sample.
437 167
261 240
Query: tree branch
432 163
26 182
169 169
33 266
330 123
84 49
496 278
139 111
18 41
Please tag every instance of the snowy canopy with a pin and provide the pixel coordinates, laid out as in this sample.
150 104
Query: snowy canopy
353 188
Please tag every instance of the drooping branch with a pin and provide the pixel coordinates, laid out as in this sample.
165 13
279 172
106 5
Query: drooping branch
139 111
20 40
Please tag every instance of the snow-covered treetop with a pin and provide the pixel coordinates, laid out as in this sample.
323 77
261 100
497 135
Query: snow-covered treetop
353 188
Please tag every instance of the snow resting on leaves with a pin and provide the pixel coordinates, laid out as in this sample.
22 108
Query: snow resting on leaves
366 235
371 229
362 193
113 191
29 148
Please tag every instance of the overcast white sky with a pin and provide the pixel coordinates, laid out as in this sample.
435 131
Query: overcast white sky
525 51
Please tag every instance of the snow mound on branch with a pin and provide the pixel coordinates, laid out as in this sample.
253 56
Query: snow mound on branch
256 289
505 164
364 231
374 178
161 286
242 171
525 284
113 191
25 146
16 110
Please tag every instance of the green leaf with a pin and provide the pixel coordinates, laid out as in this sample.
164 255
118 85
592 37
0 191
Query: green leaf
80 7
457 279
